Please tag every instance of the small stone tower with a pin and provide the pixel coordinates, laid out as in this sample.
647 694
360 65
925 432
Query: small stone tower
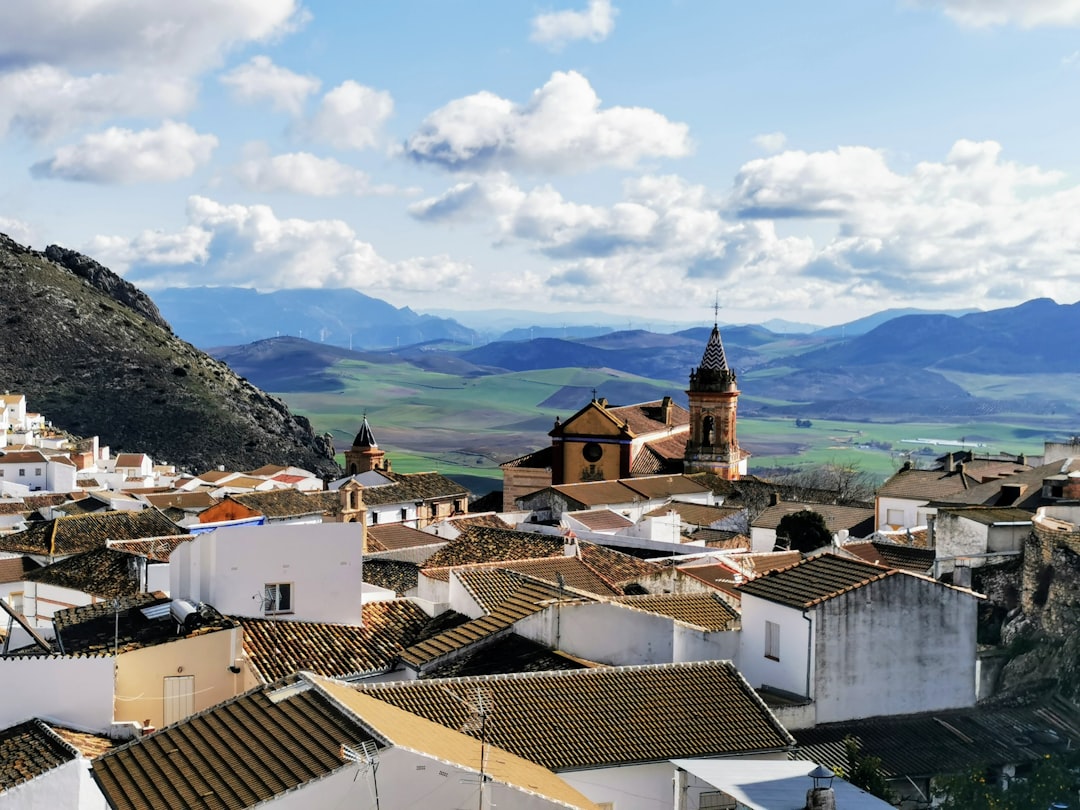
365 455
714 396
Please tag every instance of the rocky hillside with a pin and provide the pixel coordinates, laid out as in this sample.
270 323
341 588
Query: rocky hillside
93 354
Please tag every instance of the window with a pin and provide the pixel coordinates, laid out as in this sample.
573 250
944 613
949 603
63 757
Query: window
894 517
22 472
277 598
772 641
592 452
374 518
37 470
404 514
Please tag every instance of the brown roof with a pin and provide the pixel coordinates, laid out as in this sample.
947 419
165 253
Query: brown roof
506 654
925 485
598 493
28 750
22 457
237 754
103 572
721 538
130 459
815 580
13 507
661 457
181 500
894 555
279 503
87 744
664 486
856 519
480 544
756 563
213 476
615 566
704 610
13 569
393 536
718 576
490 520
76 533
648 417
695 514
412 487
279 648
267 470
599 520
620 715
396 575
159 549
491 584
989 515
538 459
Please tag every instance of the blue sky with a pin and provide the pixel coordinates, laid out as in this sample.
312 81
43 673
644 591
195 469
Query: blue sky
815 162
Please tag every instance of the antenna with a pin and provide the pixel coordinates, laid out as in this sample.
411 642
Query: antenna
480 707
367 757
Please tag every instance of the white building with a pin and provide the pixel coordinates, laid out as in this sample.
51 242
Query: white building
310 572
854 640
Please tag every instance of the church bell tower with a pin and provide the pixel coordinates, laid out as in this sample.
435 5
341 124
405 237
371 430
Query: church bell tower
714 396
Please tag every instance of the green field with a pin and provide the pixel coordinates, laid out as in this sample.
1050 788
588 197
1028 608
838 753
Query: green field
465 427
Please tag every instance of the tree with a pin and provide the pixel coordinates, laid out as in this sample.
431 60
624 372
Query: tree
840 482
1051 779
803 531
865 771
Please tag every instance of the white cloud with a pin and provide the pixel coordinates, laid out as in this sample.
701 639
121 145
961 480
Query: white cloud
561 129
557 28
120 155
351 116
18 230
251 246
1025 13
108 35
304 173
261 80
43 102
770 141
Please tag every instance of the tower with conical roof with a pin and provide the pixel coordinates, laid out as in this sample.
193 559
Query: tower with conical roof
365 455
714 396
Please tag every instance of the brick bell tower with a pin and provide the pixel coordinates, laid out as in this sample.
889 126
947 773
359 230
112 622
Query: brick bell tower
714 396
365 455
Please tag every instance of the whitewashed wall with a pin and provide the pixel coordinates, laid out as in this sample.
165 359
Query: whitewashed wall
60 788
75 692
789 672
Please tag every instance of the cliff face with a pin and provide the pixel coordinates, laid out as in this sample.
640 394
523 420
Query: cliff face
93 354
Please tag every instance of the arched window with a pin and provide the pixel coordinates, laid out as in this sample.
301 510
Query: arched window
707 428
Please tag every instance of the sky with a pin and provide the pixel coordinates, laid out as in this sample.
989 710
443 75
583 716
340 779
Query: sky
814 162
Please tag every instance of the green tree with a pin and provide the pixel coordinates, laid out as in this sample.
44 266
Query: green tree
1051 779
803 531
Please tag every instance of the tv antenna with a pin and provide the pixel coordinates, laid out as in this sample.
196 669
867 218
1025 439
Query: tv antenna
367 757
480 708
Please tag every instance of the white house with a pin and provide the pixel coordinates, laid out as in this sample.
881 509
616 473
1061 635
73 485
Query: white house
903 501
14 409
310 572
38 768
855 639
968 535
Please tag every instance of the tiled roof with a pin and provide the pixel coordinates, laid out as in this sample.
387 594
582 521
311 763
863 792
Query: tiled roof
811 581
52 499
181 500
13 569
237 754
894 555
396 575
87 744
393 536
575 573
279 503
480 544
598 493
648 417
721 538
214 476
704 610
538 459
410 487
925 485
492 584
756 563
76 533
159 549
28 750
615 566
605 716
599 520
22 457
714 359
507 654
13 507
529 597
412 732
989 515
662 457
267 470
664 486
244 482
949 742
279 648
1022 489
96 628
718 576
130 459
103 572
856 519
695 514
491 521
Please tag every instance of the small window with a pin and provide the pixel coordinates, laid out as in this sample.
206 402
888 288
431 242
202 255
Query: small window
404 514
894 517
1 473
278 597
37 470
374 517
772 641
22 472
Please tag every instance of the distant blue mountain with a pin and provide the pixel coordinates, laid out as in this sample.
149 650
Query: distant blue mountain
861 326
228 316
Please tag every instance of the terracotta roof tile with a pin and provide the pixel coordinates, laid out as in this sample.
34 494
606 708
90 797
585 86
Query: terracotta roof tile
77 533
87 744
695 514
599 520
894 555
159 549
648 417
507 654
538 459
28 750
13 569
925 485
280 503
480 544
396 575
815 580
704 610
856 519
103 572
615 566
393 536
277 648
620 715
181 500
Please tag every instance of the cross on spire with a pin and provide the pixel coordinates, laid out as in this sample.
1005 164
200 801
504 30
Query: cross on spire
594 395
716 309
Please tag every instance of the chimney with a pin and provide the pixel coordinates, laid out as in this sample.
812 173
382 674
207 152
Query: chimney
774 498
821 799
665 404
1010 494
1021 459
906 465
960 472
949 462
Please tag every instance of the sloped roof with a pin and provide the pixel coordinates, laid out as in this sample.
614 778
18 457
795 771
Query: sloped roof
664 486
76 533
492 584
130 459
599 520
1001 492
814 580
925 485
22 457
480 544
236 754
660 457
181 500
267 470
507 654
856 519
393 536
280 503
13 569
88 744
648 417
102 572
989 515
158 549
365 438
277 648
398 576
705 610
894 555
695 514
28 750
615 566
598 493
714 358
620 715
411 487
538 459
